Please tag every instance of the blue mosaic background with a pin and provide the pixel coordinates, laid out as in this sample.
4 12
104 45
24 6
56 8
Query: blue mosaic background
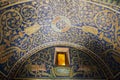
33 26
78 59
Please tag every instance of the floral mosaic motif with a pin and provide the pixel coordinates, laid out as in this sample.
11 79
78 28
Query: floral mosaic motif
28 24
45 15
7 2
11 19
29 14
106 20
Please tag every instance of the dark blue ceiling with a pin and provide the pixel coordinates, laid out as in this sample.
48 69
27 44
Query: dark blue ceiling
30 26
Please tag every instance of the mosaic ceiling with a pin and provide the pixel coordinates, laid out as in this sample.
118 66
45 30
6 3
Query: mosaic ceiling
28 28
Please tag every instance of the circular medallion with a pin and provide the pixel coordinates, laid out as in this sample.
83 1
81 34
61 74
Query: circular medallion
106 20
61 24
11 19
29 14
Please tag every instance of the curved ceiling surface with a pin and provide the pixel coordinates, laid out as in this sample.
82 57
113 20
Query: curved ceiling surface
29 26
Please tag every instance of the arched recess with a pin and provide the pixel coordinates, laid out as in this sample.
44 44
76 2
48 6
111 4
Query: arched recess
98 61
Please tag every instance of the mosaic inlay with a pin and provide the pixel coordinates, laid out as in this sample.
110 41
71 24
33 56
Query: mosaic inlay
30 29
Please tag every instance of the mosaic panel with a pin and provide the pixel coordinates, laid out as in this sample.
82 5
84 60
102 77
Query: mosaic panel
27 24
41 65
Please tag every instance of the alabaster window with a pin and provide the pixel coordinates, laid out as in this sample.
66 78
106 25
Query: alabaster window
61 57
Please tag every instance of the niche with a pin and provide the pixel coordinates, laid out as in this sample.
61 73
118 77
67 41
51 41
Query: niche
61 56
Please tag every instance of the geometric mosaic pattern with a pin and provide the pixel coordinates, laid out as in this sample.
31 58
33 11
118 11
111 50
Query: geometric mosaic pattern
28 28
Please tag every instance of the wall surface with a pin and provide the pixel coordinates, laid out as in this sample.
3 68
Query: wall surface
30 30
